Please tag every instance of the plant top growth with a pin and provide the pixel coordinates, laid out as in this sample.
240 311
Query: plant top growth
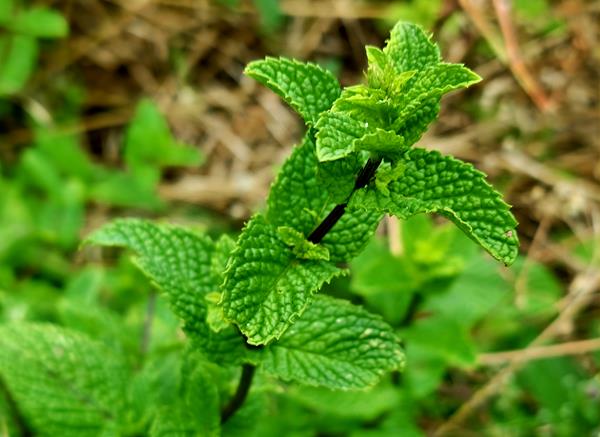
254 302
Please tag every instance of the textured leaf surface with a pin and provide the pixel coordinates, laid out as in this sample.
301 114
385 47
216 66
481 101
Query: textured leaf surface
300 200
266 286
63 382
335 344
406 81
380 141
308 88
409 48
420 105
339 177
336 134
180 263
432 182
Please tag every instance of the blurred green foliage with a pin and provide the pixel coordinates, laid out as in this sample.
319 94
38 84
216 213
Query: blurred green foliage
23 29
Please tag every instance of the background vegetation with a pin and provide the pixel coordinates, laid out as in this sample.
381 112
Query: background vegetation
139 108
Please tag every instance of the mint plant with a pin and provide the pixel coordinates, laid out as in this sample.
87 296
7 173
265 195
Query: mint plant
254 303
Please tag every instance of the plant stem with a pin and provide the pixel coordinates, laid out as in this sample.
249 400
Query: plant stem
248 370
240 394
364 177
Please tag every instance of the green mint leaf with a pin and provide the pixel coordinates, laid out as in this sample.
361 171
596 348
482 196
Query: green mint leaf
432 182
180 263
301 247
336 134
266 286
420 104
337 345
19 56
306 87
150 143
174 421
380 141
63 382
401 99
6 11
445 337
40 22
410 48
298 199
195 411
339 177
176 259
351 233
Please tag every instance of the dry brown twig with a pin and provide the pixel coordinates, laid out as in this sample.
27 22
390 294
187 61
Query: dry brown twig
515 61
508 51
541 352
581 292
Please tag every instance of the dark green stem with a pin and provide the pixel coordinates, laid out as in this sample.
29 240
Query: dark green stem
239 397
248 370
363 179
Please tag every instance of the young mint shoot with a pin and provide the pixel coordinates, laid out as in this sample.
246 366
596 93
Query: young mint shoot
362 136
253 303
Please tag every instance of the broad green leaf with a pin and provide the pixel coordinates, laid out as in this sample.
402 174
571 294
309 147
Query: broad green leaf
64 152
350 235
426 370
40 22
193 410
437 80
432 182
266 286
380 141
474 294
18 55
337 345
149 142
306 87
385 281
140 192
300 200
63 382
339 177
443 336
176 259
363 405
409 48
336 134
419 106
174 421
270 14
201 396
6 11
179 262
